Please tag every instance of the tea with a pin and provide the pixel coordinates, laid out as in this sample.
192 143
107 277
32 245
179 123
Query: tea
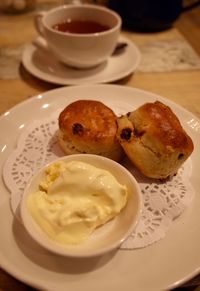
80 26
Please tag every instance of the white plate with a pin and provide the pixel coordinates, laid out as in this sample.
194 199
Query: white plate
161 266
45 66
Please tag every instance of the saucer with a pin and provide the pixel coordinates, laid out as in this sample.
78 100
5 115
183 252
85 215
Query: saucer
43 65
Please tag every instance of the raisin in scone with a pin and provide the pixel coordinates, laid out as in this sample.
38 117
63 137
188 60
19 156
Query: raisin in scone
154 140
89 126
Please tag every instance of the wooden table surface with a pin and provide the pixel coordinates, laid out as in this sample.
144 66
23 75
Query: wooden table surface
182 86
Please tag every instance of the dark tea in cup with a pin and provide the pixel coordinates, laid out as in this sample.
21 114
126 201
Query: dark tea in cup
80 26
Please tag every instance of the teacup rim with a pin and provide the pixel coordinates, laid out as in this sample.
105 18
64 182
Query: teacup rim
85 5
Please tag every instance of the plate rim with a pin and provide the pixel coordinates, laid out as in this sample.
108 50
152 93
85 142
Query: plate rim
63 88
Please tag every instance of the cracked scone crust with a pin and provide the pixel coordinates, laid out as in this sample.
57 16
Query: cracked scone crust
89 126
154 140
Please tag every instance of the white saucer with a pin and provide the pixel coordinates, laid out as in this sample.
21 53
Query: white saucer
45 66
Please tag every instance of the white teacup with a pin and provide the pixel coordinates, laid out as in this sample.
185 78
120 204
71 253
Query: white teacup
81 50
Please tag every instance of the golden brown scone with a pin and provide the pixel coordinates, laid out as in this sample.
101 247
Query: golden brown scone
154 140
89 126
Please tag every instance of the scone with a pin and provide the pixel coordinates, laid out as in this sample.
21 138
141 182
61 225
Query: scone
89 126
154 140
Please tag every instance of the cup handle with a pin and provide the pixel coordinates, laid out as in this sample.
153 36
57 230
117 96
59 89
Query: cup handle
41 43
38 22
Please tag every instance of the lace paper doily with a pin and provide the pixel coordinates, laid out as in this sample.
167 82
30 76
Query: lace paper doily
163 201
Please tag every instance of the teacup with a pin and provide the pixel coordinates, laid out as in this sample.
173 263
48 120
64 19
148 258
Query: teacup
82 35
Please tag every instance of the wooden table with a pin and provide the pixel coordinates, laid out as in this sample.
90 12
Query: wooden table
182 87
